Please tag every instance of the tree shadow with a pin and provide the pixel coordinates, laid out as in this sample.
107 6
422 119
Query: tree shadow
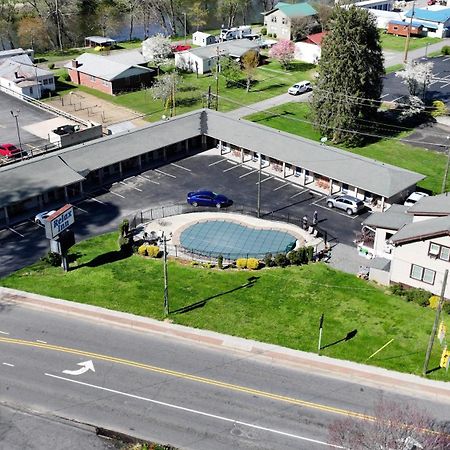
200 304
350 335
106 258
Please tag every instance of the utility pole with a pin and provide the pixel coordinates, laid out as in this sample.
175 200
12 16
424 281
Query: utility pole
258 200
408 35
166 280
444 181
217 79
16 116
208 101
435 325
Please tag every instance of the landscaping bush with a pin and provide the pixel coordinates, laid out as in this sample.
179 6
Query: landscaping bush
241 263
64 77
397 289
419 296
281 260
220 262
446 307
153 251
439 108
263 31
445 50
295 257
270 35
434 300
309 253
52 258
268 260
252 264
51 66
142 250
124 227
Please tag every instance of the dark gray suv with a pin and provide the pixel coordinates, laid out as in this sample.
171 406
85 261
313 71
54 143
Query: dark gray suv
351 205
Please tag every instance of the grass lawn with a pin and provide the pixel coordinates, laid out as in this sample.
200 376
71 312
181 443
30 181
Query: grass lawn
271 80
429 163
397 43
287 316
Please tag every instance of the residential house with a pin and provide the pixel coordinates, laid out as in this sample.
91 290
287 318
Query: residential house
402 28
412 244
203 39
20 77
435 20
203 59
17 52
309 50
109 74
383 17
278 20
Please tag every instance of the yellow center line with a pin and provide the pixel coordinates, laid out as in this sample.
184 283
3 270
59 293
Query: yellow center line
187 376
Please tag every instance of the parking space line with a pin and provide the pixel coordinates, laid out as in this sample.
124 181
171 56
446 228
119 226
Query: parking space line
231 168
96 199
181 167
280 187
81 209
445 59
398 98
385 95
148 179
114 193
165 173
14 231
249 173
129 185
265 179
217 162
445 85
297 194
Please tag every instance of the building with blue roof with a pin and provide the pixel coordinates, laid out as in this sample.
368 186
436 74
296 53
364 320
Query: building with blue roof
435 22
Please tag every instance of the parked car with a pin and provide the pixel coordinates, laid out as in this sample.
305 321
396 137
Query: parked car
414 198
351 205
42 216
300 88
208 198
10 151
180 48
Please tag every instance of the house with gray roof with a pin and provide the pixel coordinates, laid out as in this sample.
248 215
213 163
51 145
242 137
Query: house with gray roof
416 241
110 74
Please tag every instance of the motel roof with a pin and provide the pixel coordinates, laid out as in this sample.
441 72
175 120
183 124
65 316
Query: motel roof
29 178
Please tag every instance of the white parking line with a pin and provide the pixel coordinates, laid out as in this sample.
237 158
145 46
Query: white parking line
249 173
445 85
164 173
14 231
4 332
445 59
42 342
265 179
96 199
398 98
352 217
115 193
385 95
231 168
181 167
9 365
217 162
147 179
129 185
297 194
281 186
81 209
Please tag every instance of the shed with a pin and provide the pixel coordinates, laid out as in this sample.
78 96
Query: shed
99 41
203 39
400 28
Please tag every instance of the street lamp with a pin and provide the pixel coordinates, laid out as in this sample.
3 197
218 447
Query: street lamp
16 116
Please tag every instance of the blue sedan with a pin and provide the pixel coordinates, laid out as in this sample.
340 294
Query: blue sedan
208 198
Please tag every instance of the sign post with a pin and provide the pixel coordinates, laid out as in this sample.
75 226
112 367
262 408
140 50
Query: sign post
320 334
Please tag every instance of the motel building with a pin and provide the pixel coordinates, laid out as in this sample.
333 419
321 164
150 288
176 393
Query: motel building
69 174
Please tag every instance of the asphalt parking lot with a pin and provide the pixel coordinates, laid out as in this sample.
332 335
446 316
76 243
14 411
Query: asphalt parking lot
394 88
24 243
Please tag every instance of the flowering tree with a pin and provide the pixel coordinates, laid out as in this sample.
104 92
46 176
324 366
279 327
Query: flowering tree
417 76
283 51
157 49
165 88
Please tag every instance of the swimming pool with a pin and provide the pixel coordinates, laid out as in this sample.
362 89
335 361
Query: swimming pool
233 240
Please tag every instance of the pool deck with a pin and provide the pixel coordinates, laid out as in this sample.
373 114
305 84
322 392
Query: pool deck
173 226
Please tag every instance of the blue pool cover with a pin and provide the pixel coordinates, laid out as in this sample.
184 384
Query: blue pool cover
232 240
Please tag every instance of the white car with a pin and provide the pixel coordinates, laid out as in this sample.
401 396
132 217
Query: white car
300 88
414 198
40 218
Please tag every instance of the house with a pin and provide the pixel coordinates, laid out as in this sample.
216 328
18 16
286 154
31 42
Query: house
400 28
381 5
411 244
278 20
203 39
383 17
203 59
17 52
99 41
20 77
309 50
109 74
435 20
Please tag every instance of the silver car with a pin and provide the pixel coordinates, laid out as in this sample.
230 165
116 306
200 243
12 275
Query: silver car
351 205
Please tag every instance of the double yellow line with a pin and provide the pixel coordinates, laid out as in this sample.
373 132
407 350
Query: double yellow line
187 376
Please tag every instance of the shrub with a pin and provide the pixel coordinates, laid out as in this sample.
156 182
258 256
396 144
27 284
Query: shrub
220 262
124 227
153 251
125 245
252 264
194 263
281 260
64 76
434 300
269 35
142 250
207 265
295 257
397 289
51 66
439 108
445 50
241 263
52 258
446 307
419 296
268 260
309 253
263 31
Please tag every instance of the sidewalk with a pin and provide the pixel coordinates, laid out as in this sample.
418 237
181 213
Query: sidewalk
399 383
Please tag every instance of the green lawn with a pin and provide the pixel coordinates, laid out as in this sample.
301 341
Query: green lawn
397 43
429 163
287 316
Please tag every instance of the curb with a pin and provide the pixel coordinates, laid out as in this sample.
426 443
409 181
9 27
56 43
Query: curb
377 377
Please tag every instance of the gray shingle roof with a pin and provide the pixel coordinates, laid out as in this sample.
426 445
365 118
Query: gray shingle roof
234 48
436 205
424 229
129 57
393 218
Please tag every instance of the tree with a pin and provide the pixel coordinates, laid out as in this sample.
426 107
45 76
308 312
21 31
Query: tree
197 15
350 71
302 26
32 32
230 69
165 88
395 426
283 51
417 76
250 61
324 13
157 49
132 9
228 10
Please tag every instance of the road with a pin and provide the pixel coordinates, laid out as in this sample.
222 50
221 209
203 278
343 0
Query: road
167 390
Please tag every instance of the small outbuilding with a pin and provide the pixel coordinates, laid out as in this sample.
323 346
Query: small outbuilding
400 28
203 39
99 41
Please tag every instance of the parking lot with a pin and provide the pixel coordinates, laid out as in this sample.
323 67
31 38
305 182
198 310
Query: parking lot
166 185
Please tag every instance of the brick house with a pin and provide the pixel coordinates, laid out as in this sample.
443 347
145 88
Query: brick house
108 75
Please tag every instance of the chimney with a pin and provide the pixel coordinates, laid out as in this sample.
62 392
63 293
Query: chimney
75 64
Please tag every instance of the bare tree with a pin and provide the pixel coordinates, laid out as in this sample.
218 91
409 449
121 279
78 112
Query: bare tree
132 9
394 426
32 32
250 61
324 13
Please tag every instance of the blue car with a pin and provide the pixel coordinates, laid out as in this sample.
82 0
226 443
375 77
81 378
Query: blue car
208 198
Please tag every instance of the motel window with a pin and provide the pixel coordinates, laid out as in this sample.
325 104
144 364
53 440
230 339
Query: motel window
105 83
45 81
422 274
274 19
439 251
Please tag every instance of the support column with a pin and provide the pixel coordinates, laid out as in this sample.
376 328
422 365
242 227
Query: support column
382 204
187 145
5 210
66 194
120 169
165 154
331 186
203 142
40 200
81 188
284 169
242 155
140 162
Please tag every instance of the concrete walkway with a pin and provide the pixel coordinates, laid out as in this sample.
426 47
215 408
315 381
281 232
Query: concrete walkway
407 384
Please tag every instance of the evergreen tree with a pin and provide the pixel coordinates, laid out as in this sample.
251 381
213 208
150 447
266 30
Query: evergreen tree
350 71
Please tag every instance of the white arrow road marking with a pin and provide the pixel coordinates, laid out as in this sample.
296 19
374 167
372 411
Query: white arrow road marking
200 413
86 365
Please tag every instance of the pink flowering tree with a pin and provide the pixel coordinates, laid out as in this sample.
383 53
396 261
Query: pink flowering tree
283 51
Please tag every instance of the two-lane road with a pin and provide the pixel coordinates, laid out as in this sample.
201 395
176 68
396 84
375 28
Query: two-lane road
169 391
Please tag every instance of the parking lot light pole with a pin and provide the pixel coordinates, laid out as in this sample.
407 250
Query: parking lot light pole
166 279
258 200
16 116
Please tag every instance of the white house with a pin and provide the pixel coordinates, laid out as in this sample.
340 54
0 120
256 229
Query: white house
435 20
203 39
310 49
19 76
413 241
203 59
